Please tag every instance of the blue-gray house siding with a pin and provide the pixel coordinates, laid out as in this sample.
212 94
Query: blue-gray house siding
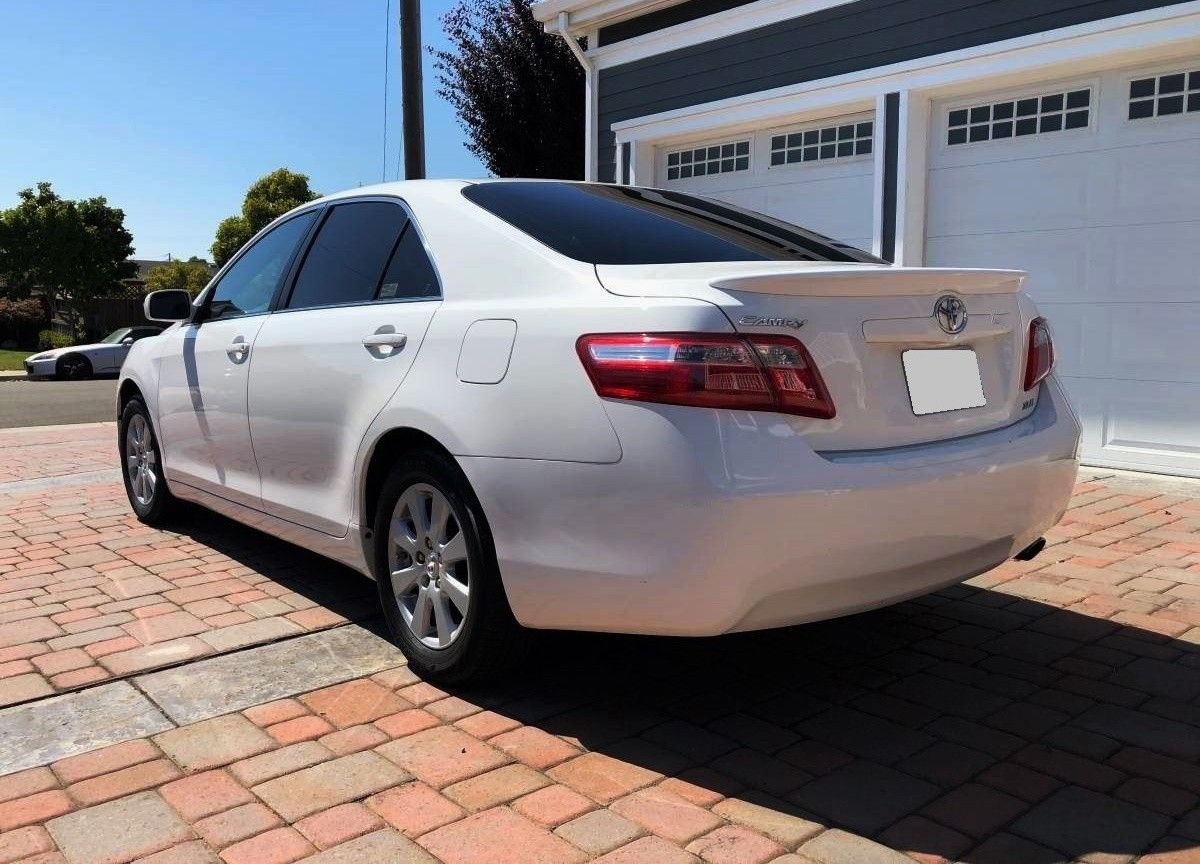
847 38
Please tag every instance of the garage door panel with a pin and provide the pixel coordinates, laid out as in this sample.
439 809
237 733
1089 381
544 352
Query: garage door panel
1057 261
1033 195
1107 223
1127 341
1146 192
1147 263
1152 263
839 207
830 194
1146 426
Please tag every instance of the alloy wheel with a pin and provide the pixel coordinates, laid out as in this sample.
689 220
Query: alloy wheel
141 461
429 565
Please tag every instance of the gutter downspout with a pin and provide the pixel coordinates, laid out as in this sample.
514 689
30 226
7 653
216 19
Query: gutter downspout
589 94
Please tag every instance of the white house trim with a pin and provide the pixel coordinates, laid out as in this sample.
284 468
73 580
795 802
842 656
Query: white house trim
590 13
912 166
726 23
1148 36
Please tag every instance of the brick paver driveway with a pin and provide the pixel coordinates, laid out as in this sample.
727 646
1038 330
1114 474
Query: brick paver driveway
1047 711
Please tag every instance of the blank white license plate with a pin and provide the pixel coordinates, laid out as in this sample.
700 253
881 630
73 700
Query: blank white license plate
943 380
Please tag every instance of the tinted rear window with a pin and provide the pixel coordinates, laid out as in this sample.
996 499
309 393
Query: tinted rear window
604 224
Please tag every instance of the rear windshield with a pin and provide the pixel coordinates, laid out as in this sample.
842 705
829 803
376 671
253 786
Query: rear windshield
604 224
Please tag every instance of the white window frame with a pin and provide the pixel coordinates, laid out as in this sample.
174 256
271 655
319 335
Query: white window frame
1157 72
823 123
1044 88
665 151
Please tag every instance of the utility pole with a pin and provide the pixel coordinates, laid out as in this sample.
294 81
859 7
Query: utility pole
413 107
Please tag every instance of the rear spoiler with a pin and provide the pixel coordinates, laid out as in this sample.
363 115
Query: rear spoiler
874 282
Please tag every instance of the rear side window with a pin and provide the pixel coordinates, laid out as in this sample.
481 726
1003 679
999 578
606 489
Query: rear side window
410 273
604 224
347 258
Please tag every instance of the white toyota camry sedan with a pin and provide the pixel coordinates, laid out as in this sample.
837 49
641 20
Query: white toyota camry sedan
542 404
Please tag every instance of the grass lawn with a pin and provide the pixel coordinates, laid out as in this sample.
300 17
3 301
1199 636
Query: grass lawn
12 361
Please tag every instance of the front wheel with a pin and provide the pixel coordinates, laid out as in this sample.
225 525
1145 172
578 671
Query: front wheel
73 367
141 462
437 574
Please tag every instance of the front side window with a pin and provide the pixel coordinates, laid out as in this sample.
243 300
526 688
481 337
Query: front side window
604 224
248 286
346 261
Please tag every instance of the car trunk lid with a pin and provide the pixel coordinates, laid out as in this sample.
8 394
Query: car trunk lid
867 328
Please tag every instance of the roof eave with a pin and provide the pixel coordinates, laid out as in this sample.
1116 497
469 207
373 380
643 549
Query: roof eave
585 14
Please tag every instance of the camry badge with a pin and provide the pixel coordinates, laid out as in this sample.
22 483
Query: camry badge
756 321
951 314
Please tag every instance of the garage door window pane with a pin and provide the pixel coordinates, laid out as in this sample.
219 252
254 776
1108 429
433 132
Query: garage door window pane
1051 112
703 161
1164 95
819 144
346 260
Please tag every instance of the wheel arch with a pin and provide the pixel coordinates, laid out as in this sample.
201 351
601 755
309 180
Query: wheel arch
127 391
389 447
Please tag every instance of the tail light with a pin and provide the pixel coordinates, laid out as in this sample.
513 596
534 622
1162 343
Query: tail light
707 370
1039 359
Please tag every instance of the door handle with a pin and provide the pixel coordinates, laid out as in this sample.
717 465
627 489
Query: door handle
382 340
238 349
386 342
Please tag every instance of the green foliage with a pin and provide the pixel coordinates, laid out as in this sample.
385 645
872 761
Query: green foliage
269 197
71 252
232 235
517 89
24 311
190 275
48 339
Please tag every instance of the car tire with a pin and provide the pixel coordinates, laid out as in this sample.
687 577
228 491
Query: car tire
142 466
73 367
485 639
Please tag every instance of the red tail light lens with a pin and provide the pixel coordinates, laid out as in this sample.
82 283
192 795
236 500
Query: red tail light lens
1039 359
707 370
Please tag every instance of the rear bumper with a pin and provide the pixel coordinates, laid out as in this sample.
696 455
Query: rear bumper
717 521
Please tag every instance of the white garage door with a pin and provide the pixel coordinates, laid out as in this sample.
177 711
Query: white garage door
817 175
1093 186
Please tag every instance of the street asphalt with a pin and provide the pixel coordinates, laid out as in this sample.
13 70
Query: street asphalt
52 403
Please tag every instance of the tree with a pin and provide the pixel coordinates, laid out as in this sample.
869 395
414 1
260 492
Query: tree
72 253
517 89
190 276
270 196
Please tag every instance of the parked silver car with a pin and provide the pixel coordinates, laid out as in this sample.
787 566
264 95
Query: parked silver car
84 361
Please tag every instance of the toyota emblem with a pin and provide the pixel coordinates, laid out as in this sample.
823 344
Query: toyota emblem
951 314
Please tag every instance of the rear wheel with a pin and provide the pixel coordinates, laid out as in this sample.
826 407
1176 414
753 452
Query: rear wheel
437 574
141 461
73 367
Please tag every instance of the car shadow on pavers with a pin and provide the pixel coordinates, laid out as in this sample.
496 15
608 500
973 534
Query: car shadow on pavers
341 592
968 725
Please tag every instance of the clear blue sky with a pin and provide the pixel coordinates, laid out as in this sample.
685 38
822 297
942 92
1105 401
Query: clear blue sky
171 109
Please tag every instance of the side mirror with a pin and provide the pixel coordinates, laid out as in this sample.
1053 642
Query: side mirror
168 307
128 340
